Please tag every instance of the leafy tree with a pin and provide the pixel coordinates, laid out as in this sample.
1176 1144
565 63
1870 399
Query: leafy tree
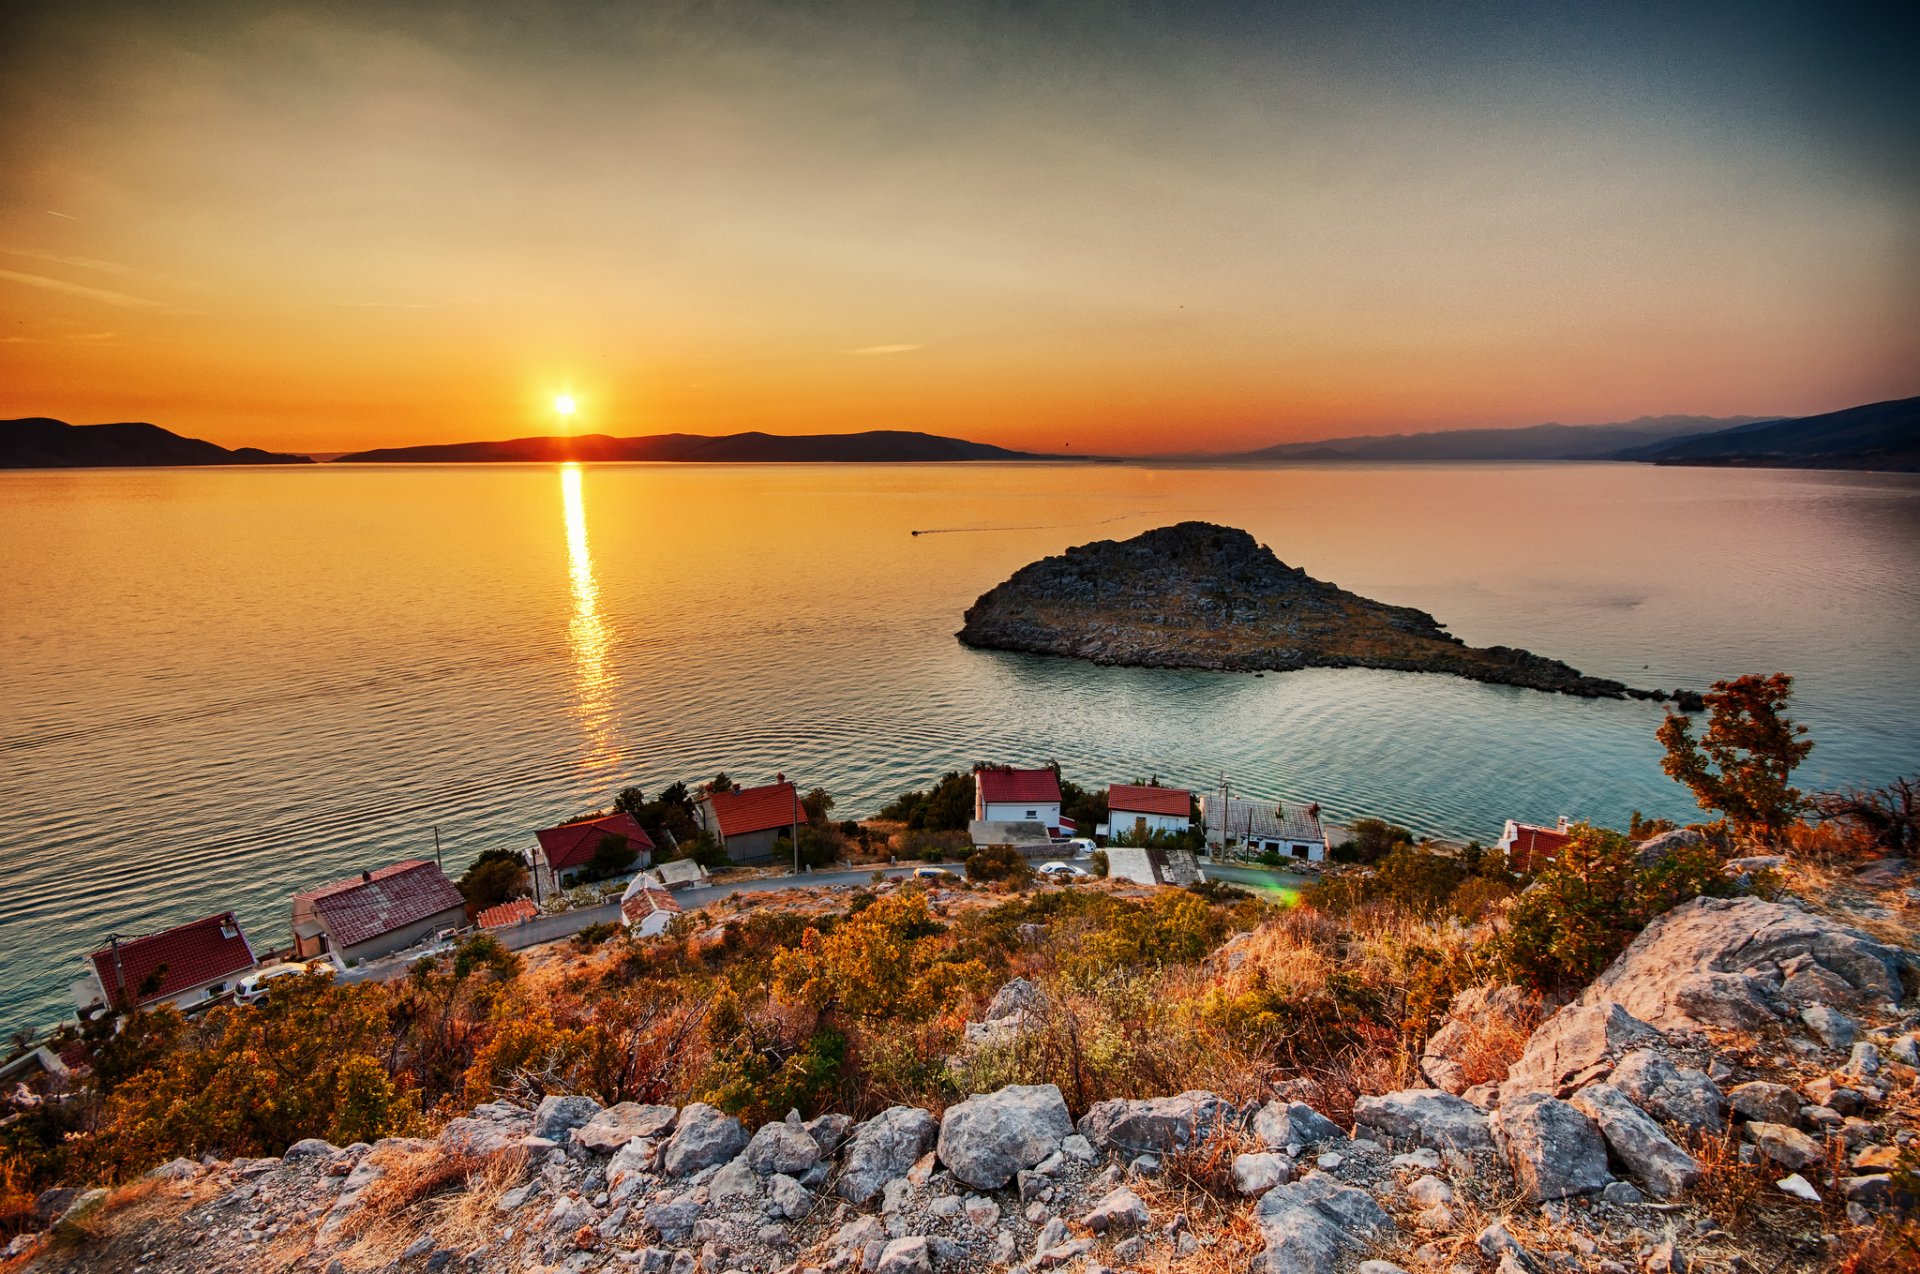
1086 807
719 783
1742 764
1372 840
946 807
1097 863
495 877
999 862
611 856
631 801
708 852
817 803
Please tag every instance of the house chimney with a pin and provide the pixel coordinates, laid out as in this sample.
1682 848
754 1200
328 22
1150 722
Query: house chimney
366 878
1563 823
779 778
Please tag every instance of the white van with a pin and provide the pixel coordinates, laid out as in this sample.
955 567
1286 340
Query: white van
252 989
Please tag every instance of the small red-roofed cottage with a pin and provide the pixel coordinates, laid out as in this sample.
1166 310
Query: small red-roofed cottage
563 853
507 914
1138 810
648 912
1003 794
184 966
376 913
749 821
1528 848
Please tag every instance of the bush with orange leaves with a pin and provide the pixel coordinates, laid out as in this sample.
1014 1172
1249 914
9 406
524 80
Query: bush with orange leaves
877 962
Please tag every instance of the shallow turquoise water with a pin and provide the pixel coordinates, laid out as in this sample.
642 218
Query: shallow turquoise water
218 686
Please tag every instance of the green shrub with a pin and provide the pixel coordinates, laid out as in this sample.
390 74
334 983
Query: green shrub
593 935
999 862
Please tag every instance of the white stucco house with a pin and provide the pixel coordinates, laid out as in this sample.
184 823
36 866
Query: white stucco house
1002 794
1250 828
1136 810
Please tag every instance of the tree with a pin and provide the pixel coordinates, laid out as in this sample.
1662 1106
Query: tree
817 803
1742 764
1888 817
631 801
1372 840
613 855
719 783
1097 862
999 862
495 877
946 807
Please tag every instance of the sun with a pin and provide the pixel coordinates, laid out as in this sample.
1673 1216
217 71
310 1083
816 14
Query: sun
564 404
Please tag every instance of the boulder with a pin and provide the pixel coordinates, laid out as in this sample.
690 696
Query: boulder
556 1117
308 1148
1310 1224
1121 1212
488 1127
1260 1172
1763 1102
788 1197
1156 1125
1835 1029
673 1221
1425 1117
1282 1124
625 1121
1555 1151
1668 1092
1720 962
734 1180
1443 1061
704 1138
1656 848
987 1138
909 1255
1785 1145
882 1149
828 1131
1575 1047
784 1147
1636 1141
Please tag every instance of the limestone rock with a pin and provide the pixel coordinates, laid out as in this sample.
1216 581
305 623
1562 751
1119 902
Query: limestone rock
705 1137
615 1126
1636 1141
1786 1146
557 1117
882 1149
1656 848
1260 1172
1121 1212
489 1127
1280 1124
1575 1047
1154 1125
1721 962
1555 1151
987 1138
788 1196
1763 1102
783 1147
1672 1093
1426 1117
1446 1050
1835 1029
909 1255
1310 1224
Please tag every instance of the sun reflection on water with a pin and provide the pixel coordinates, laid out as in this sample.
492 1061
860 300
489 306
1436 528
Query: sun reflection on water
588 632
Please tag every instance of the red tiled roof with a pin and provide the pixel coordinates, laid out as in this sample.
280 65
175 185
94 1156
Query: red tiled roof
645 902
573 844
755 809
507 913
363 907
208 950
1533 846
1005 786
1176 802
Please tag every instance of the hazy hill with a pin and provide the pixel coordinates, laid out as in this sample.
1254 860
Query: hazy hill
1535 442
874 446
1875 436
38 442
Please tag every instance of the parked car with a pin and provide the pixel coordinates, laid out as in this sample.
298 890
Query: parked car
1063 869
931 873
1083 846
253 988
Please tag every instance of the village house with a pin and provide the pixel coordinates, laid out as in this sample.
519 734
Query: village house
1153 866
1251 828
507 914
185 966
648 911
376 913
563 854
1527 848
1002 794
1137 811
749 821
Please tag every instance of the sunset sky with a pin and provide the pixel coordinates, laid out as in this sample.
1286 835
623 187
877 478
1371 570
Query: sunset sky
1114 227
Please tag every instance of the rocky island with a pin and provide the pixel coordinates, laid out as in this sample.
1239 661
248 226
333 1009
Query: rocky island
1197 595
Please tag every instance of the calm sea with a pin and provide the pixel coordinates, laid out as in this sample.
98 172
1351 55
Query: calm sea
220 686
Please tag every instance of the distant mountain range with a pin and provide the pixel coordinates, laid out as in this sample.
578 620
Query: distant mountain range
874 446
1535 442
1883 436
38 442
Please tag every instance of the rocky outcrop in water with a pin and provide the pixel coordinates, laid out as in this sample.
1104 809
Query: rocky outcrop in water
1198 595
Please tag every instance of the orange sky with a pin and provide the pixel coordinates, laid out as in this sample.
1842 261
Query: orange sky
319 228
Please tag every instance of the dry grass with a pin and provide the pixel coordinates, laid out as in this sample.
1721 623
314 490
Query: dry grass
468 1219
426 1188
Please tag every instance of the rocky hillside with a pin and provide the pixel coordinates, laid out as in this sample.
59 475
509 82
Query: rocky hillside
1198 595
1737 1087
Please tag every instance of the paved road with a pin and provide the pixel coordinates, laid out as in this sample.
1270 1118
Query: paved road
701 895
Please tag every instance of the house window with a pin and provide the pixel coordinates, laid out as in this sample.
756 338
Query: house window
1033 813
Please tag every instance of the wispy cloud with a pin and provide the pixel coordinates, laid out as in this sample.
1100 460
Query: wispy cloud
883 349
74 289
84 263
63 215
387 305
48 340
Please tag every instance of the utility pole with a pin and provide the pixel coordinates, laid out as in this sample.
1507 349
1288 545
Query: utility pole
796 828
436 848
119 973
